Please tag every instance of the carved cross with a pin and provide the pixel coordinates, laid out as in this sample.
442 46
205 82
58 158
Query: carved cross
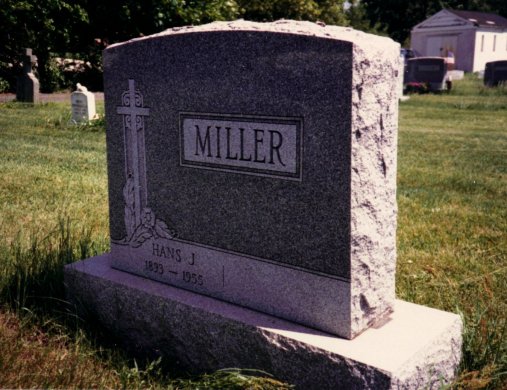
133 121
29 60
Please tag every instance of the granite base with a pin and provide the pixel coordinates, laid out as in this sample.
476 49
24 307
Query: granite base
418 347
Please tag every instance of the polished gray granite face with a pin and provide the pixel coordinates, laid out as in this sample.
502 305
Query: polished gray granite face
230 166
243 74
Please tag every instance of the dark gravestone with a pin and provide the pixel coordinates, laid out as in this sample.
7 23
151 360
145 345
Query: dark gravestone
239 169
27 89
429 70
495 73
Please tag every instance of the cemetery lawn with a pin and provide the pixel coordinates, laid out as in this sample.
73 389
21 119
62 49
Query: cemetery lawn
452 221
452 240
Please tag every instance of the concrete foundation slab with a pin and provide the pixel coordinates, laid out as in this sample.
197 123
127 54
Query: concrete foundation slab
418 347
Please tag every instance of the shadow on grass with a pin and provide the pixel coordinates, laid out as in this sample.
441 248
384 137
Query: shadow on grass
33 277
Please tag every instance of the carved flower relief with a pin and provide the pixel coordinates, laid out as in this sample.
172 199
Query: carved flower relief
148 227
148 218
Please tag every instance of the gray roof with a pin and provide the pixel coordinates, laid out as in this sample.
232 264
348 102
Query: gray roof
482 19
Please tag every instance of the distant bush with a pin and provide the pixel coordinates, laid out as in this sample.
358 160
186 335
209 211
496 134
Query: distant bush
4 85
7 77
415 87
64 73
51 77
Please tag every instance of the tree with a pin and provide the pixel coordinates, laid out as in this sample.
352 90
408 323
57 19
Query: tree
119 20
327 11
398 17
46 26
81 29
358 19
499 7
333 12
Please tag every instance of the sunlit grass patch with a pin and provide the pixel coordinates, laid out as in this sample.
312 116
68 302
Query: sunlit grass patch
49 168
452 222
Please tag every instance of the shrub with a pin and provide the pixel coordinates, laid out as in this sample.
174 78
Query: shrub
4 85
415 87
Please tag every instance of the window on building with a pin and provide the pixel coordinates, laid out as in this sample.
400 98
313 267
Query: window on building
494 42
482 42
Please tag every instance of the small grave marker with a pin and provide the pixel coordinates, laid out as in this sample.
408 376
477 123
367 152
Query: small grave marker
83 105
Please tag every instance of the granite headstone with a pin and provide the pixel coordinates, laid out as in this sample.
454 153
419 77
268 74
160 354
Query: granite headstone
258 168
255 164
495 73
27 89
429 70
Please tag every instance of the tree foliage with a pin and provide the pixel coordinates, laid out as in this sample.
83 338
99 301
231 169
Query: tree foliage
46 26
358 19
81 29
118 20
327 11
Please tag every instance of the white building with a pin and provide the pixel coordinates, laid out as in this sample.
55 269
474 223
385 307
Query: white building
473 38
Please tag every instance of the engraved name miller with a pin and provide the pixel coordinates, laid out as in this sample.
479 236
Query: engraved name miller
252 145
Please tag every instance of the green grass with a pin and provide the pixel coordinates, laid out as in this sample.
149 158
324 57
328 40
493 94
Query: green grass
452 240
452 223
50 168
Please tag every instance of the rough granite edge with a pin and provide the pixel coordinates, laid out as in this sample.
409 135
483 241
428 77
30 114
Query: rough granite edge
446 350
369 42
373 185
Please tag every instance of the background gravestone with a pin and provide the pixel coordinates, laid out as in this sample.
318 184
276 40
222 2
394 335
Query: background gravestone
431 71
27 89
83 105
495 73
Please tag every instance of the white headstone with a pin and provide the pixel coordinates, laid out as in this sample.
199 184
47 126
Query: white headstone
401 80
83 105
